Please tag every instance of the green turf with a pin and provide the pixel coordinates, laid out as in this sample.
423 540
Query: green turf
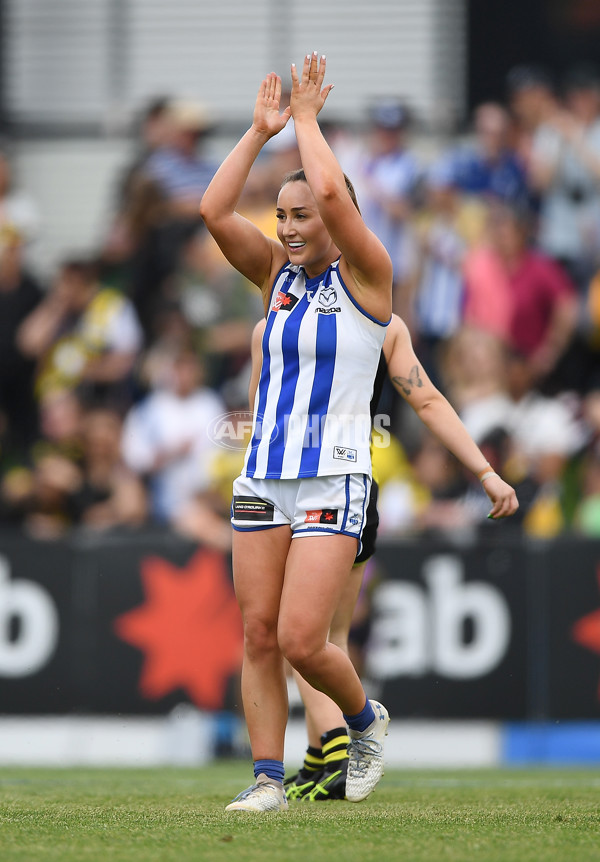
177 814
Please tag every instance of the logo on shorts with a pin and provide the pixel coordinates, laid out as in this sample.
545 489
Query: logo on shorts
321 516
344 454
284 301
252 509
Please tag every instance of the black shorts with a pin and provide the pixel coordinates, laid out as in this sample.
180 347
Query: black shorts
369 533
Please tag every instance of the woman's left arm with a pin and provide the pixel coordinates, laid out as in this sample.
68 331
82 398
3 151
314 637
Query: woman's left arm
368 262
436 412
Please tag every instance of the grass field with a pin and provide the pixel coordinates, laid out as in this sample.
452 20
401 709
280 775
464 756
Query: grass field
177 814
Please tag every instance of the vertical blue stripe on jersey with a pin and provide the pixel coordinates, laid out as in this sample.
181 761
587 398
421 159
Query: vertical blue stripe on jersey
321 390
265 375
289 382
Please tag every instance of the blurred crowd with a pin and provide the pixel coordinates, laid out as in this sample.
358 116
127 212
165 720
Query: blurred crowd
116 367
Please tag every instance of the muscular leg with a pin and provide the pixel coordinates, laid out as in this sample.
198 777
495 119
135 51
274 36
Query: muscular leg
316 575
322 714
259 560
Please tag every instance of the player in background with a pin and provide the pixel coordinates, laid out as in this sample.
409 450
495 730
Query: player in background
323 773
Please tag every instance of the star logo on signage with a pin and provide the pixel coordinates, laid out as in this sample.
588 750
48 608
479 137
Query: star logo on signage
586 631
189 629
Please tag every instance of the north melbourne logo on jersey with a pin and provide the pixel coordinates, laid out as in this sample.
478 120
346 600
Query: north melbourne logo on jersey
321 516
284 301
344 454
327 298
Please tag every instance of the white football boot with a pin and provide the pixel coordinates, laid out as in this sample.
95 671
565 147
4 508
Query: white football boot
365 753
266 795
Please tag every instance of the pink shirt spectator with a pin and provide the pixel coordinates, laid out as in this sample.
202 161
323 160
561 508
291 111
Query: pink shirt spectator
488 300
515 305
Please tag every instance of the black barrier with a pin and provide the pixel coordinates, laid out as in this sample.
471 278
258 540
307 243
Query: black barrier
119 624
136 623
38 640
449 630
487 630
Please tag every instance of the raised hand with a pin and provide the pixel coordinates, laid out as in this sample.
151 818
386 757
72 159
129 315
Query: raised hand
267 119
308 94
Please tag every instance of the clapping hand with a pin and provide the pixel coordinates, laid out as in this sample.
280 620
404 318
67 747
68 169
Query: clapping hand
308 94
267 119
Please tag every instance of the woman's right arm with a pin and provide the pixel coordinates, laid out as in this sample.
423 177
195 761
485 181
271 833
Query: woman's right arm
243 244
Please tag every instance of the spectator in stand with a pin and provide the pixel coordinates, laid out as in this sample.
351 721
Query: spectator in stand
444 482
546 434
38 500
489 166
529 436
27 488
586 520
475 368
20 215
565 170
520 294
206 517
174 332
61 424
83 335
152 134
77 477
19 295
137 256
141 247
110 495
439 297
220 306
474 372
532 102
182 172
166 438
178 166
386 175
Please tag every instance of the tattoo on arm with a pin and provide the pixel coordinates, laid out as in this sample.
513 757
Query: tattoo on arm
408 383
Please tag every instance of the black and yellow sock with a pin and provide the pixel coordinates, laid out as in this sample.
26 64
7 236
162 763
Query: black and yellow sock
334 745
313 762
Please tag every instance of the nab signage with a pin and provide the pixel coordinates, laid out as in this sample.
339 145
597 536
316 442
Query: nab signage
421 630
444 637
39 627
29 625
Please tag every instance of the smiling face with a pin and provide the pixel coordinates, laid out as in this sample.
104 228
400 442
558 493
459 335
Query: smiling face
301 230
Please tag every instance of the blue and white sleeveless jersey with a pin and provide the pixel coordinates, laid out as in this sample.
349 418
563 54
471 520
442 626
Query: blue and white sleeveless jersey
320 355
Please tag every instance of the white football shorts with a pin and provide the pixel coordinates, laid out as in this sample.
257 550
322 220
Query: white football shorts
312 507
